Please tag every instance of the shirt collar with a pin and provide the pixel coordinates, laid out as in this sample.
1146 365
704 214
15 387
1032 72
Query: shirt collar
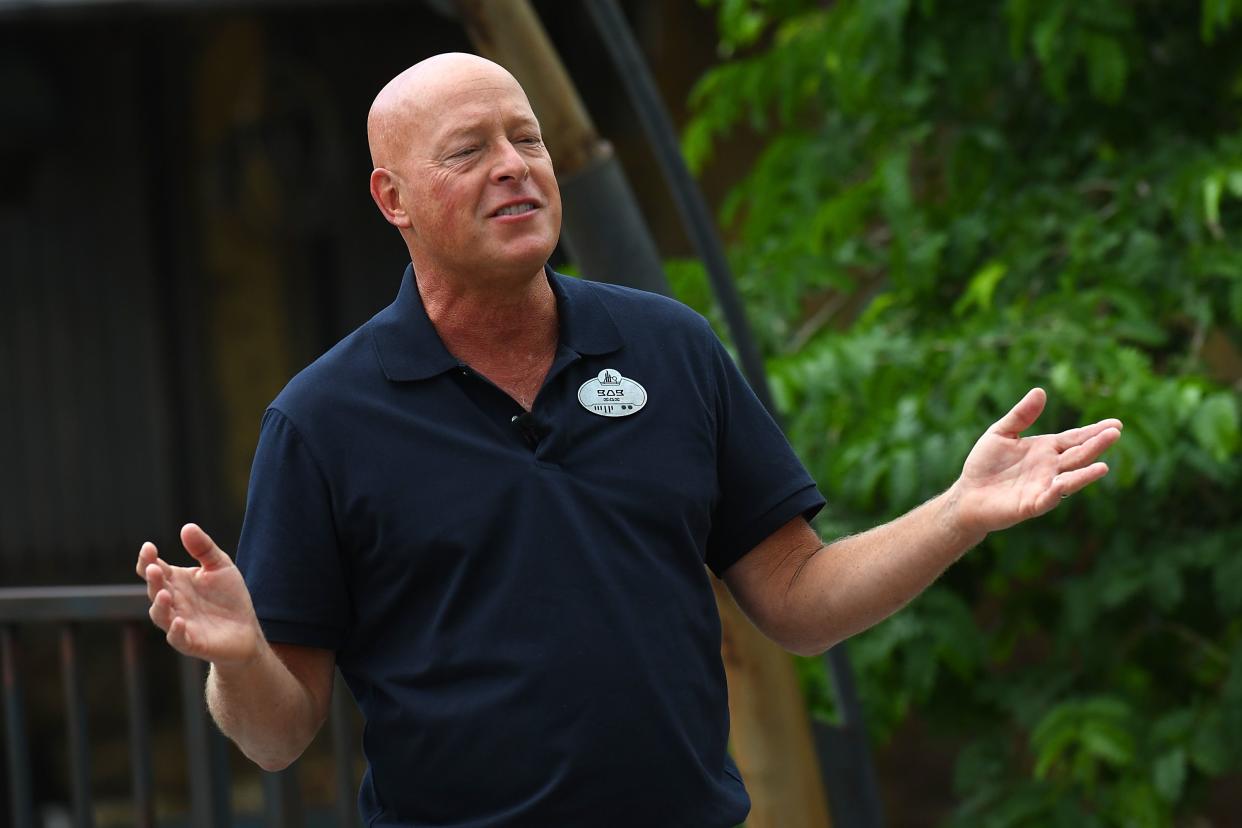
409 348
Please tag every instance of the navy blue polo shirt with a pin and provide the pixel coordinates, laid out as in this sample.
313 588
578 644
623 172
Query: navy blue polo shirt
521 607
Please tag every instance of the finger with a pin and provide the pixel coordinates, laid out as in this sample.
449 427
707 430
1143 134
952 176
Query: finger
161 610
1080 456
154 576
202 548
179 636
1067 483
147 553
163 572
1023 415
1078 436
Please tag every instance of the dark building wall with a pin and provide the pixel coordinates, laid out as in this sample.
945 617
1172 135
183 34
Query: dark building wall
85 423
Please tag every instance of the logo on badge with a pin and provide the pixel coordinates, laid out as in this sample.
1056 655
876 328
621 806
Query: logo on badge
609 394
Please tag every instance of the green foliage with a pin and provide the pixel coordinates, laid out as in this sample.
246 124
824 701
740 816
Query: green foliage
955 202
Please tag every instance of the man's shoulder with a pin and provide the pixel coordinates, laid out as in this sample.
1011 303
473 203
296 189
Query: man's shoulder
640 311
345 370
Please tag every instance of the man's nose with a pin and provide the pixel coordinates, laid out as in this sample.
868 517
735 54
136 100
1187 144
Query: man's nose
510 165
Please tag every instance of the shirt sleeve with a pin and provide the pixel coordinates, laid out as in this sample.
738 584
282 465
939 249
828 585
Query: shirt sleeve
289 553
762 483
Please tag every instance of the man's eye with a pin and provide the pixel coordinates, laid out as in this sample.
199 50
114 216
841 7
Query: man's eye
464 152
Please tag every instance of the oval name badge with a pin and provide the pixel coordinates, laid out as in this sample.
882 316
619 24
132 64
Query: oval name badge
611 395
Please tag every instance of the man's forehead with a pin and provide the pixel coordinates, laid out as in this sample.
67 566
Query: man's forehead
443 94
471 91
467 107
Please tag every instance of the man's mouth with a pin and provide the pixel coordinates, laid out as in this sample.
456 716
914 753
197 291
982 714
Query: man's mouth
514 209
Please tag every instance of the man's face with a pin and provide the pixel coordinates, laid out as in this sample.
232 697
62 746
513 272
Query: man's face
477 181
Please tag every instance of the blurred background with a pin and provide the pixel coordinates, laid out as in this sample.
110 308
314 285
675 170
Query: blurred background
929 208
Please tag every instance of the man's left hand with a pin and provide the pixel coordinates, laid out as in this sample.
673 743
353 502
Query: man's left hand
1008 478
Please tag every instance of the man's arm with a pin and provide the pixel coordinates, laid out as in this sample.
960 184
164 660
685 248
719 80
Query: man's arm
273 707
807 596
269 699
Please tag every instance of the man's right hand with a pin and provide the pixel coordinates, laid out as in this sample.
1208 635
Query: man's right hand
269 699
205 610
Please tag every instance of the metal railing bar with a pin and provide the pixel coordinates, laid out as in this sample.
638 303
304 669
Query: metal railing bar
282 799
344 744
209 793
76 724
134 654
122 602
17 748
206 749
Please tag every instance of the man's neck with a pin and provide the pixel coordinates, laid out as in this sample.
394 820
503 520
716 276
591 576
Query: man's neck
506 331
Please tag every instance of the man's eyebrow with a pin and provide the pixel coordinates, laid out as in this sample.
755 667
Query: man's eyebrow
454 134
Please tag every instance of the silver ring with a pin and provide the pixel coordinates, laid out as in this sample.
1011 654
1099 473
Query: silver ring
1064 496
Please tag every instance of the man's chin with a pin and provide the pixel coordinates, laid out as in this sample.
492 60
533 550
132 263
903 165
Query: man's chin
530 255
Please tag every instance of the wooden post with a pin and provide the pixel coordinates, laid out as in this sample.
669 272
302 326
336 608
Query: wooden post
246 325
771 736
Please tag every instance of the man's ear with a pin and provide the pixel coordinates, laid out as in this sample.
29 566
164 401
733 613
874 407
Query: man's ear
388 197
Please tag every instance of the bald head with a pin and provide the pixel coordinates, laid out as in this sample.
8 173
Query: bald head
461 170
418 97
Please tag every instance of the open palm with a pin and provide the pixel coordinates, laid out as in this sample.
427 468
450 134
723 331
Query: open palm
1008 478
205 610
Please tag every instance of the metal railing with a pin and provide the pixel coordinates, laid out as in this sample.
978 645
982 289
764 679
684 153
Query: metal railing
125 607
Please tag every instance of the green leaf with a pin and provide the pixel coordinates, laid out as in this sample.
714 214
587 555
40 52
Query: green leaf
1215 425
982 287
1216 16
1211 201
1233 182
1207 750
1066 382
1107 741
1046 36
1169 775
1106 67
1136 804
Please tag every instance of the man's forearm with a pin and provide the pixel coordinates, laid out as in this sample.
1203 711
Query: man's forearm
857 581
264 709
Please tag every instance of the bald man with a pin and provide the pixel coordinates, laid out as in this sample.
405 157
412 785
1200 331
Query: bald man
491 507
